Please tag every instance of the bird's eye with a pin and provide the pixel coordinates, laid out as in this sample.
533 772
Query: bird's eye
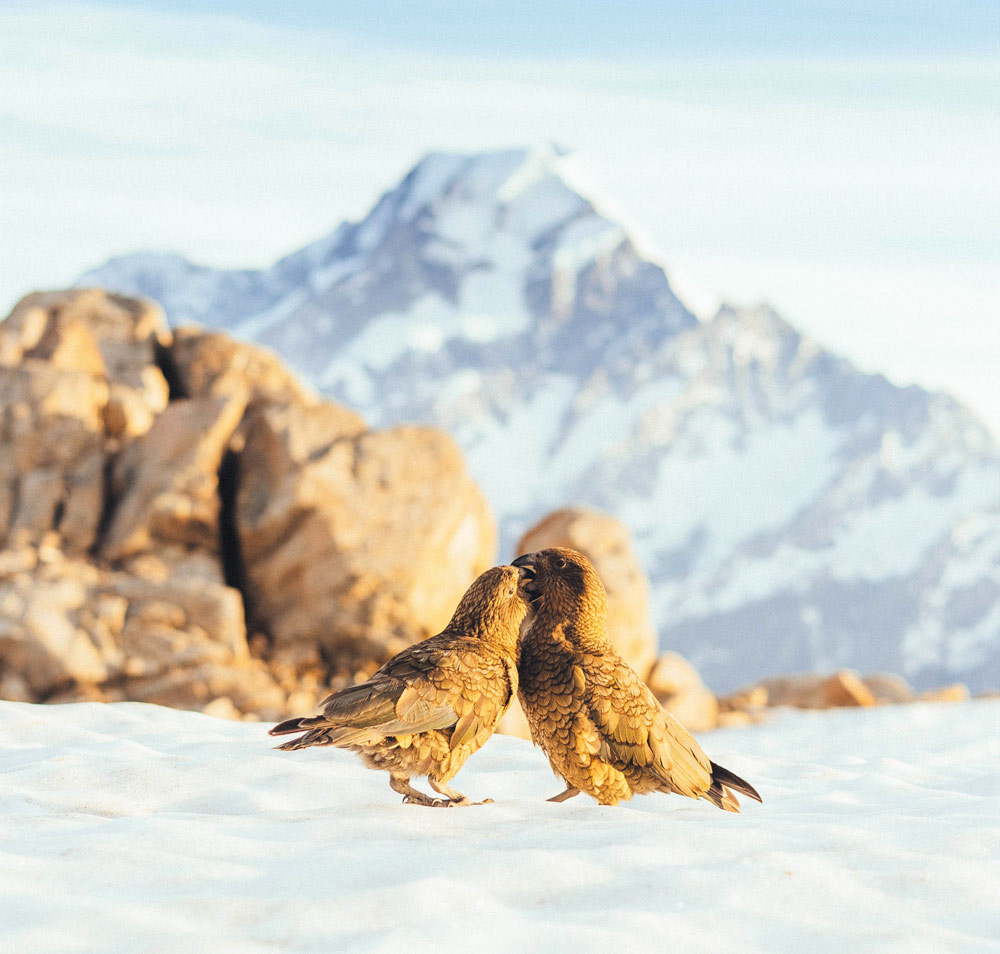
561 563
511 590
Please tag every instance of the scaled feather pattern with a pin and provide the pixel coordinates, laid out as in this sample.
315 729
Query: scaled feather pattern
603 730
436 702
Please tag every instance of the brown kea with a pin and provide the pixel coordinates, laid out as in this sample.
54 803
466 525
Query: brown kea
436 702
601 727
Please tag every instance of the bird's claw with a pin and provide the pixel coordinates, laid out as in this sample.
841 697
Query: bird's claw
428 802
425 801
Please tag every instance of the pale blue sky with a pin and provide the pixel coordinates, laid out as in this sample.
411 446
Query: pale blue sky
839 160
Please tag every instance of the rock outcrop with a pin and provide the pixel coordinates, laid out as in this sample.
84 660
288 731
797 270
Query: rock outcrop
356 543
159 489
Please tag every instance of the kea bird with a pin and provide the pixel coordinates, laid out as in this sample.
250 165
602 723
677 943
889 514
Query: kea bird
603 730
436 702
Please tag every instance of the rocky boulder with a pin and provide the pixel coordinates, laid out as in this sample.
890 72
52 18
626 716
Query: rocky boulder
355 543
165 483
53 450
158 488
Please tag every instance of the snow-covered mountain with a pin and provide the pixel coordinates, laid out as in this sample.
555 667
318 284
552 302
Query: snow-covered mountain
793 512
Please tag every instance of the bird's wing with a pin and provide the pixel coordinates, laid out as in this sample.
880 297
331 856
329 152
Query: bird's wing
401 698
431 685
636 731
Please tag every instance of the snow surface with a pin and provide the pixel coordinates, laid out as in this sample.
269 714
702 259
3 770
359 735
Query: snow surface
137 828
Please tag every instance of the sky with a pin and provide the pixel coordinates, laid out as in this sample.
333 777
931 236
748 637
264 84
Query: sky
838 160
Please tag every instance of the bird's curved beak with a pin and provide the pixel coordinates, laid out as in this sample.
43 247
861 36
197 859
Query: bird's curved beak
527 572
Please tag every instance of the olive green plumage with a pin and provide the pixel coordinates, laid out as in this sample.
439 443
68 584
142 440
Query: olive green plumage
436 702
601 727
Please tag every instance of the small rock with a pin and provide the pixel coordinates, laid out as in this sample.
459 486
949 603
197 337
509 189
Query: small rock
888 688
817 691
957 692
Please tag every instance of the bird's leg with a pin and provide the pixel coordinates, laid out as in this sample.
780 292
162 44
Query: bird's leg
562 796
401 784
454 798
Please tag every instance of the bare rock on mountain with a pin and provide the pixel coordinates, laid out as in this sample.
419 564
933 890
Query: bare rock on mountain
72 631
128 506
607 543
185 646
954 692
355 543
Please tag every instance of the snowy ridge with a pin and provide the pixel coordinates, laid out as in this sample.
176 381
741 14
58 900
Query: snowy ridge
793 512
158 830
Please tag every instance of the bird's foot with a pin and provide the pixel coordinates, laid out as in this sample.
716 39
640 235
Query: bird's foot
453 798
416 798
562 796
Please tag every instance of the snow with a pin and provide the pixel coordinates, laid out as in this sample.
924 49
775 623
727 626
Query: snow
253 326
133 827
694 488
584 240
431 177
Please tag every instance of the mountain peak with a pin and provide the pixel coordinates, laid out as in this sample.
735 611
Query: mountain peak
774 489
499 175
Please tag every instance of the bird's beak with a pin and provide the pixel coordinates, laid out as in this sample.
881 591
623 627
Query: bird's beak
527 572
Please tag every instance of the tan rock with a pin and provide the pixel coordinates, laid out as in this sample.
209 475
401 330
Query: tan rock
888 688
679 687
167 480
846 688
51 454
211 364
14 687
103 335
956 692
608 545
179 623
55 628
356 543
817 691
748 699
248 687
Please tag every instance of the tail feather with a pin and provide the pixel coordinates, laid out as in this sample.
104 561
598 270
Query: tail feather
313 736
730 780
289 726
319 731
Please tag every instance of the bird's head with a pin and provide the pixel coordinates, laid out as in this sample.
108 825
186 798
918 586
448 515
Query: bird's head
563 581
493 607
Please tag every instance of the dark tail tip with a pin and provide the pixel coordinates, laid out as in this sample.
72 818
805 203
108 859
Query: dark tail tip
288 726
727 779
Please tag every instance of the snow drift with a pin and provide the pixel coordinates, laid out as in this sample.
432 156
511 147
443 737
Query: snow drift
130 827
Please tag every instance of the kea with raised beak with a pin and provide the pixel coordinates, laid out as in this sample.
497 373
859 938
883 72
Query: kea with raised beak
436 702
601 727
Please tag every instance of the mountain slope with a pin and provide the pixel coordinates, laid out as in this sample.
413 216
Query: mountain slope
793 512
